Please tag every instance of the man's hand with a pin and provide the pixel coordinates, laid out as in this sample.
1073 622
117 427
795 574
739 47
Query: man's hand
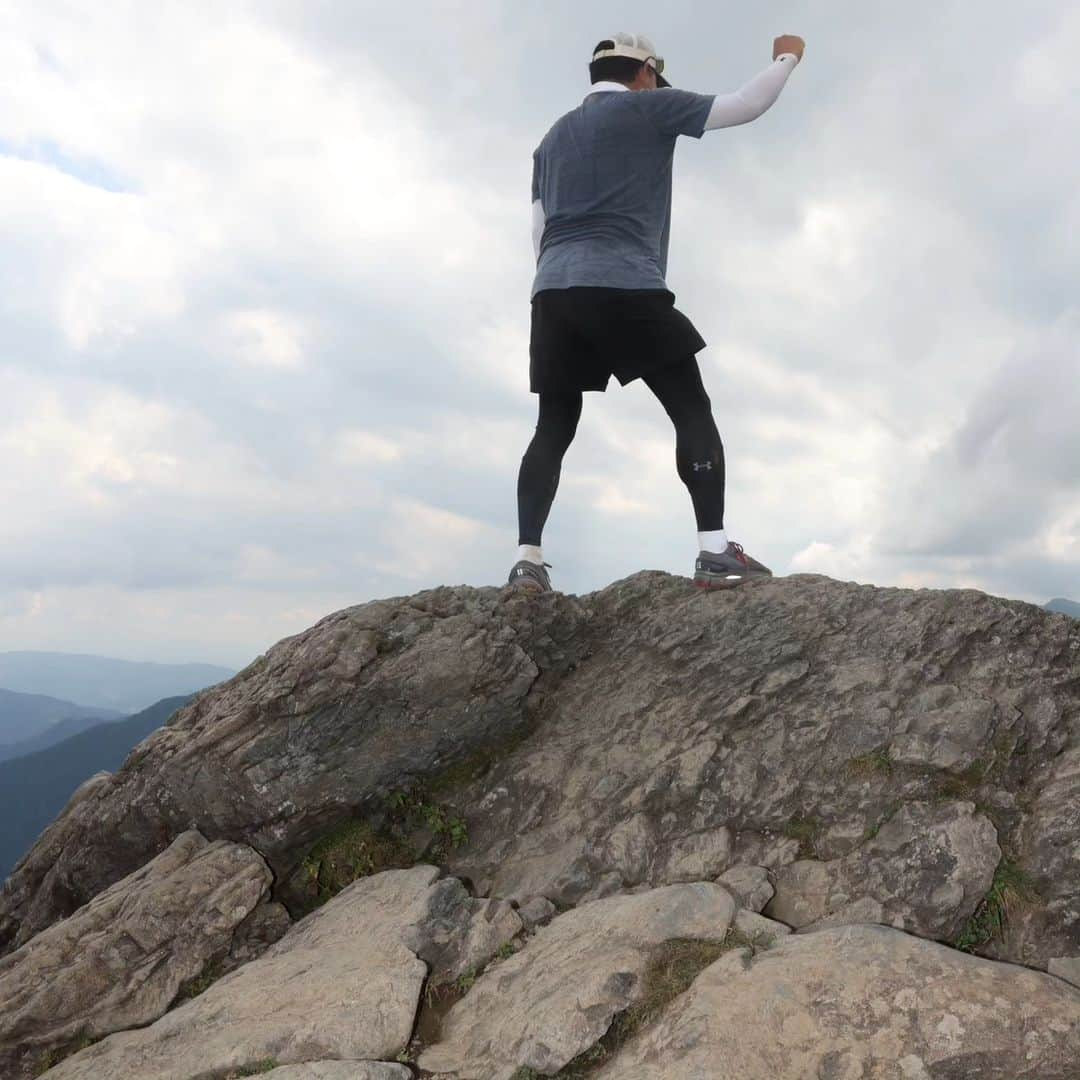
788 43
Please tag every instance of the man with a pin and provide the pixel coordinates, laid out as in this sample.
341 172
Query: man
601 191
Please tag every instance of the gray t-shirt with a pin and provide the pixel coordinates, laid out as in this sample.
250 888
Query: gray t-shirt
603 175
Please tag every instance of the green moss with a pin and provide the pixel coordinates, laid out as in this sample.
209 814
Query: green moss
413 809
353 850
866 765
672 967
805 830
1012 889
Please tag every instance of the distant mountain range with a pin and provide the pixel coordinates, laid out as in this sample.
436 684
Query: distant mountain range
54 733
35 788
122 686
27 716
1066 607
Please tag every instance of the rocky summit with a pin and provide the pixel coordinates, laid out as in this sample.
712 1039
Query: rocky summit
803 828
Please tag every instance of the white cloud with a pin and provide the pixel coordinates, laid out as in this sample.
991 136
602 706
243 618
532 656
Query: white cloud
265 335
265 338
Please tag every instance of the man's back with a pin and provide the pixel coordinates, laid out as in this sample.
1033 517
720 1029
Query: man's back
603 175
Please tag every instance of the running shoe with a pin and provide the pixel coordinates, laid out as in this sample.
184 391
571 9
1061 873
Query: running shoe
530 576
726 569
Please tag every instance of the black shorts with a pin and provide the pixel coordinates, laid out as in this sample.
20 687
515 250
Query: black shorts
583 335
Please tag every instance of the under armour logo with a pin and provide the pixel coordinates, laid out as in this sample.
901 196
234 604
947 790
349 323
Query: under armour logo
703 465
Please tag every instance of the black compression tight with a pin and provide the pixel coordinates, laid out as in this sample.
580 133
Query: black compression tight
699 453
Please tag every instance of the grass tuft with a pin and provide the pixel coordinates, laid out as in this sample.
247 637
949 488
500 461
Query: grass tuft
353 850
867 765
1012 890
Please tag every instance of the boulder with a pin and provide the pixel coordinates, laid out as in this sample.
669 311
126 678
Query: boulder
343 984
119 961
554 998
920 746
340 1070
860 1001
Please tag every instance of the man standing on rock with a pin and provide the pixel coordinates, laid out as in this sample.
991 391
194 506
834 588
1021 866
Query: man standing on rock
601 191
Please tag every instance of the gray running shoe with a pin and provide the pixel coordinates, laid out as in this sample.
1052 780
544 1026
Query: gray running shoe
725 570
528 575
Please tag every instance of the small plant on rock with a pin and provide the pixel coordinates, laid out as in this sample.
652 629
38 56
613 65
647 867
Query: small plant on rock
1012 889
877 761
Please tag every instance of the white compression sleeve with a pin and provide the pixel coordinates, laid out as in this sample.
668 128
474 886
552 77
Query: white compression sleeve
751 100
537 226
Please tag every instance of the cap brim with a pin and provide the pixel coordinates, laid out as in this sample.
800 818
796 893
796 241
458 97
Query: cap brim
661 81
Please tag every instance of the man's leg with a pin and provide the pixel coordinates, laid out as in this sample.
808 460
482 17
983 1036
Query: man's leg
699 453
538 478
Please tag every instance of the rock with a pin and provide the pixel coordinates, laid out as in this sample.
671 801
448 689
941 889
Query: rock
749 885
340 1070
1065 967
342 984
633 737
860 1001
926 871
536 912
326 722
754 925
864 910
266 924
1048 842
774 722
802 892
119 961
554 998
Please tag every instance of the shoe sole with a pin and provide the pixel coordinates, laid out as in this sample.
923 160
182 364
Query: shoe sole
705 580
718 584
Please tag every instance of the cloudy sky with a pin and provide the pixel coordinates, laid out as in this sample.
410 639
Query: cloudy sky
264 312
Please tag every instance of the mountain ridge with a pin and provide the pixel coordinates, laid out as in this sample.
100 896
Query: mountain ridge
25 716
125 686
35 787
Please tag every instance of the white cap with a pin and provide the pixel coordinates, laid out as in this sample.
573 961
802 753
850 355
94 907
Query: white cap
636 47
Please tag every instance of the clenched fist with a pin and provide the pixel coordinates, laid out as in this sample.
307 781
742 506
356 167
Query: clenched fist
788 43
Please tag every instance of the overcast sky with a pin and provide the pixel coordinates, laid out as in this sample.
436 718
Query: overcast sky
264 312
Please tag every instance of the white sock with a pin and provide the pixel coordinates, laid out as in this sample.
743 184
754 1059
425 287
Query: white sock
715 541
528 551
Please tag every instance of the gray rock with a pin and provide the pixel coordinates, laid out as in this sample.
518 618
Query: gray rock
119 961
342 984
672 732
536 912
327 721
924 871
860 1001
340 1070
266 924
774 722
554 998
1065 967
864 910
757 926
749 885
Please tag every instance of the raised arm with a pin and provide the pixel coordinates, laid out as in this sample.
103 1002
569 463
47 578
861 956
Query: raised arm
758 95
